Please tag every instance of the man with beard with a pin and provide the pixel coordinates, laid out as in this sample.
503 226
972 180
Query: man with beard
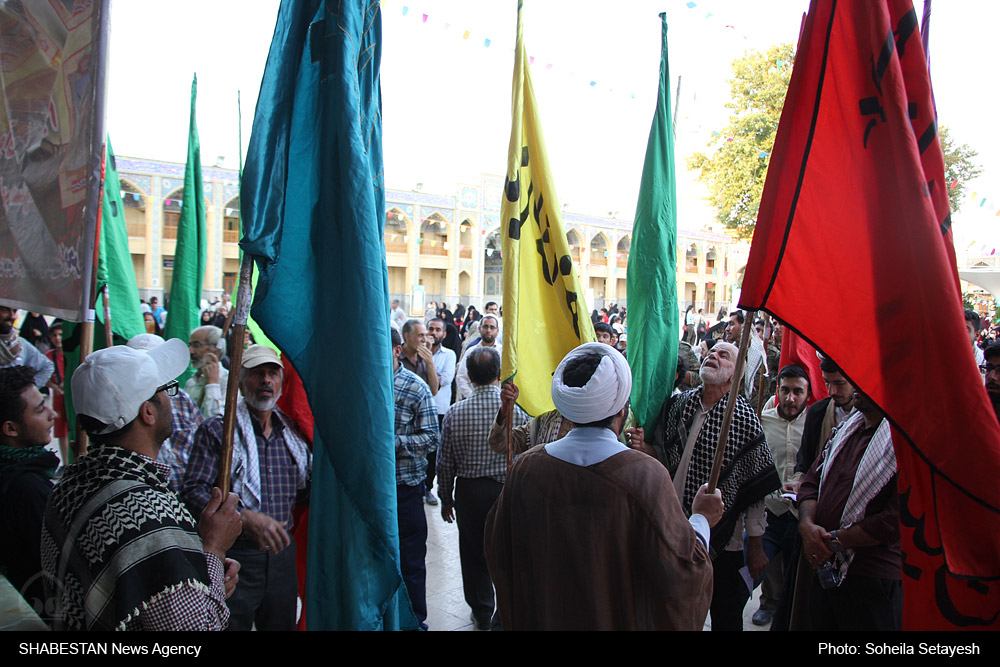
205 387
444 366
119 550
684 440
991 369
489 329
588 534
782 421
271 470
849 523
15 351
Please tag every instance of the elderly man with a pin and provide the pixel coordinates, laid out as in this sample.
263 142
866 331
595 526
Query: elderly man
205 387
119 550
15 351
271 470
176 449
588 534
684 440
480 474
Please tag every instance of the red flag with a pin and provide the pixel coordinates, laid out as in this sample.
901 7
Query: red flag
795 350
853 250
294 403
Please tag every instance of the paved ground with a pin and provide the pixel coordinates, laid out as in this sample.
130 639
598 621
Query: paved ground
446 608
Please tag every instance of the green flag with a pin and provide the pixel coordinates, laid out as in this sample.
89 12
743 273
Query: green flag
654 330
114 264
191 254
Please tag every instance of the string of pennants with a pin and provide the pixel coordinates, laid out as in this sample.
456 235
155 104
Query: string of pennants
488 40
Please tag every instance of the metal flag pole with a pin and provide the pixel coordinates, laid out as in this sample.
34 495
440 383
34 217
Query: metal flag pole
734 391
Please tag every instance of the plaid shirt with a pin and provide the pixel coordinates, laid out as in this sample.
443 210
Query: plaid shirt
279 476
176 451
416 426
465 450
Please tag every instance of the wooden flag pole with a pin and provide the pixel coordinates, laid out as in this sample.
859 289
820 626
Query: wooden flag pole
734 391
241 310
108 337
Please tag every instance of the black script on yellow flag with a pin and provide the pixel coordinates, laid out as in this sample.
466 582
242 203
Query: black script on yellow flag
545 315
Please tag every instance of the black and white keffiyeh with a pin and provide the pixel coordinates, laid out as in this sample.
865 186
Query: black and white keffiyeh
748 471
878 465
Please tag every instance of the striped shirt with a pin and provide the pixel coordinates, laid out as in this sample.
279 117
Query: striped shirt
416 426
465 450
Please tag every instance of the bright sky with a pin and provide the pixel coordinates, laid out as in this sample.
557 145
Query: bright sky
446 98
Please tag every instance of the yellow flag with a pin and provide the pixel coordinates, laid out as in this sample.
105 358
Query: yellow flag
545 315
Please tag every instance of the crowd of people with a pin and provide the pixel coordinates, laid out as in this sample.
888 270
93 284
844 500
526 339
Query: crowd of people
599 524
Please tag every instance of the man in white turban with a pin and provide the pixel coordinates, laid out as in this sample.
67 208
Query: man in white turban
587 533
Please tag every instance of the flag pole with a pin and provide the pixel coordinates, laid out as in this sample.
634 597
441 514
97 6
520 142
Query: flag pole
734 392
508 409
108 337
241 310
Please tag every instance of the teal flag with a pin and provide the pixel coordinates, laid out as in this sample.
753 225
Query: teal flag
114 264
313 205
191 255
654 323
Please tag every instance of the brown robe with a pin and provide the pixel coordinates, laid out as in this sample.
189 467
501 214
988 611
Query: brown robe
602 547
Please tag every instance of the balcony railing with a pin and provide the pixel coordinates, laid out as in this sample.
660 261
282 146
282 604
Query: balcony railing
169 232
396 247
427 249
230 236
465 253
137 229
623 262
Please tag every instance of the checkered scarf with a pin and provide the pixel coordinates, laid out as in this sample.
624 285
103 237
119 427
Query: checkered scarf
246 462
748 472
878 465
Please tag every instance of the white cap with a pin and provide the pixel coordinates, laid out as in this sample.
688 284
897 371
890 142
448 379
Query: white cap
145 341
111 384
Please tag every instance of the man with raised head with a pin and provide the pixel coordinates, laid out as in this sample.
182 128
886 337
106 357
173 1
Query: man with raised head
270 473
176 449
684 440
207 386
587 533
119 549
26 470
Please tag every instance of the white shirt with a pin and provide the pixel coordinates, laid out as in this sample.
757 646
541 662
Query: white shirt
208 397
444 364
465 386
784 438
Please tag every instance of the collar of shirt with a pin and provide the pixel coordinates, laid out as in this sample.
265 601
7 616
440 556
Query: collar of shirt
586 446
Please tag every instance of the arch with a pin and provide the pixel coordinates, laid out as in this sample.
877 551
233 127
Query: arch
623 250
691 257
465 284
134 202
433 238
573 238
466 239
599 250
231 227
711 261
397 229
625 243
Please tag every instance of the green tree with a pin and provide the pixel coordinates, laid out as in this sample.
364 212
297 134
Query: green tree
959 167
737 167
736 170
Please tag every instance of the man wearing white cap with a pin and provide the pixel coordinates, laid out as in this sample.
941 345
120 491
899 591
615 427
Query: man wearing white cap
119 550
271 470
176 449
587 533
